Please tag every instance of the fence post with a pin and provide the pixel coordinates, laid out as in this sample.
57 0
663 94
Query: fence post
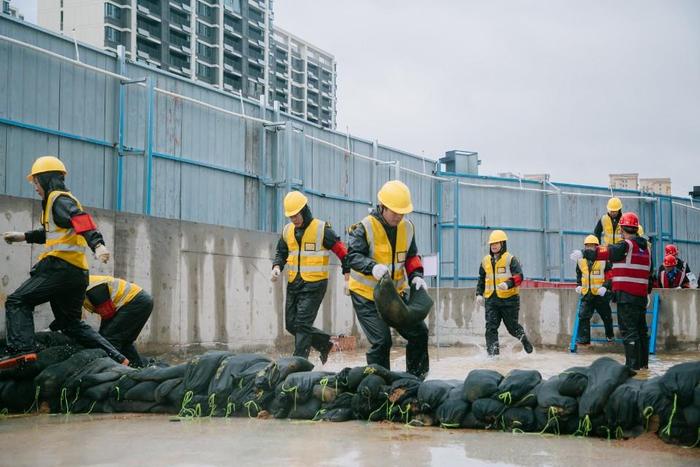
148 151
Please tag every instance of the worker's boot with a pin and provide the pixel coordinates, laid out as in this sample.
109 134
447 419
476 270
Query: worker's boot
644 352
325 351
632 355
526 344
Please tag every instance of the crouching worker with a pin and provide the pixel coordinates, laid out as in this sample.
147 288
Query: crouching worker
124 308
500 275
595 289
384 243
61 275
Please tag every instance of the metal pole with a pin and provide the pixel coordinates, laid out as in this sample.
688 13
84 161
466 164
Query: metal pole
437 309
148 159
373 172
262 224
121 61
455 253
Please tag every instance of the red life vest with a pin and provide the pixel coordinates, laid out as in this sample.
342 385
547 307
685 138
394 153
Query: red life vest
632 274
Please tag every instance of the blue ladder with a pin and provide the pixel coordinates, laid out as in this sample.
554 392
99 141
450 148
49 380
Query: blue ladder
654 311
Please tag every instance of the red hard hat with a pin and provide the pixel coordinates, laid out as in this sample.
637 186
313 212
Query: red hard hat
629 219
670 261
671 250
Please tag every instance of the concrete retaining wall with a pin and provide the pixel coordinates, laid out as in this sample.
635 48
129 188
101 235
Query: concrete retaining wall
211 289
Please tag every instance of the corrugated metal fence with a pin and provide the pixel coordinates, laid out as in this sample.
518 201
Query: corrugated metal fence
141 140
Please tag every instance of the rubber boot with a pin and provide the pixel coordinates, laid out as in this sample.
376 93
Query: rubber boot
644 353
493 349
632 355
526 344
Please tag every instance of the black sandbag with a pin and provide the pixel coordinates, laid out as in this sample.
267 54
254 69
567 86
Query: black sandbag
45 358
324 392
200 371
95 367
680 381
98 392
573 382
299 386
516 385
371 387
394 310
122 386
453 410
306 410
604 375
280 405
229 375
470 421
547 422
372 409
432 393
143 391
340 414
354 376
480 384
403 389
519 418
17 395
160 374
124 406
653 402
548 398
245 398
675 429
692 418
529 399
488 411
162 392
164 409
111 375
622 408
278 370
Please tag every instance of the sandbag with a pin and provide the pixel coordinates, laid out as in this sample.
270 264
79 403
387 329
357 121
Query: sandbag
306 410
403 389
481 384
622 409
96 367
653 402
98 392
160 374
519 418
278 370
488 411
549 399
529 399
299 386
470 421
371 409
604 375
394 310
371 386
546 421
516 385
680 381
573 382
453 410
338 410
143 391
200 371
164 389
17 395
432 393
108 376
229 378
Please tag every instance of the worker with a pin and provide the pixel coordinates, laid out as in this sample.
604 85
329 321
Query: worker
383 243
124 308
61 274
500 276
593 284
632 280
671 276
305 247
608 229
680 264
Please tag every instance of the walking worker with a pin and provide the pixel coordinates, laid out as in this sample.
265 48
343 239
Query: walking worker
61 274
632 280
608 227
671 276
500 275
305 247
383 243
593 283
124 308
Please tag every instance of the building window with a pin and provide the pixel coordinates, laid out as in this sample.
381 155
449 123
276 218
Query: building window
234 5
112 35
204 51
111 11
203 71
203 30
203 10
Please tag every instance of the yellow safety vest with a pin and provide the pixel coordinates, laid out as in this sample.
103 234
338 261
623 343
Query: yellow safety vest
501 274
311 260
62 242
381 252
120 291
610 236
591 278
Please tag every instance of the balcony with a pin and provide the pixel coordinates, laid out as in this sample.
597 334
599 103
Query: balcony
147 12
146 34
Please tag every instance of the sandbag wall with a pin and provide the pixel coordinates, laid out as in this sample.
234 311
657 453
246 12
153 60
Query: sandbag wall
600 400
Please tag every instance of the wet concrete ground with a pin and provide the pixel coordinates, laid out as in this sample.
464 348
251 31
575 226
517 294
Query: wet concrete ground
157 440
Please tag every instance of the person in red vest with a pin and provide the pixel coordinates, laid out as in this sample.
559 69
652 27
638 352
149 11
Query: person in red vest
680 264
632 280
671 276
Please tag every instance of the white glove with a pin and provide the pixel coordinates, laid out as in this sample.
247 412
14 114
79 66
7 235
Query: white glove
379 270
275 273
576 255
102 253
419 283
601 291
479 300
578 289
502 286
648 301
346 287
12 237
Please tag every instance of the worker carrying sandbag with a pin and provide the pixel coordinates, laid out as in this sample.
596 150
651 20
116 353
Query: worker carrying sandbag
500 274
383 243
594 286
632 280
305 247
124 308
607 230
61 275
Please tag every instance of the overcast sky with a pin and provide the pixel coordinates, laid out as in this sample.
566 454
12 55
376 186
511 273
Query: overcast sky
577 89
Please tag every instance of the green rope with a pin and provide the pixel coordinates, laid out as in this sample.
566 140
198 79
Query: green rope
517 431
506 397
584 426
37 389
619 432
667 430
647 412
230 407
295 390
4 413
212 404
316 415
247 406
697 441
185 411
91 407
64 400
369 370
449 425
323 383
369 419
525 398
551 417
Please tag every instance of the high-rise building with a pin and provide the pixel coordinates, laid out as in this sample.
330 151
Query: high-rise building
303 79
11 10
624 181
224 43
661 186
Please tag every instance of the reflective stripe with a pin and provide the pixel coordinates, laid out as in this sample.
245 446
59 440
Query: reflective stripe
311 264
369 231
362 279
630 279
315 253
314 268
639 267
64 247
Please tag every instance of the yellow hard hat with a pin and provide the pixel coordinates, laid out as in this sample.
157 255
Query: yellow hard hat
497 236
396 196
591 240
614 204
46 164
294 202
